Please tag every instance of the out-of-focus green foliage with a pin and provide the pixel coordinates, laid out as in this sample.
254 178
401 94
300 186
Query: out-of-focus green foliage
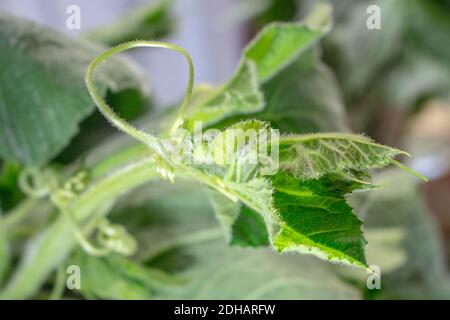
401 64
43 70
424 273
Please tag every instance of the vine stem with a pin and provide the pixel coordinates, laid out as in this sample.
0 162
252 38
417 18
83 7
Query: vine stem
18 214
121 123
148 139
50 247
59 286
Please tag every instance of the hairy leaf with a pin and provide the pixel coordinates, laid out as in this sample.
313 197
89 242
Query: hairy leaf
272 50
292 101
42 92
304 98
315 218
240 95
242 225
279 44
303 207
311 156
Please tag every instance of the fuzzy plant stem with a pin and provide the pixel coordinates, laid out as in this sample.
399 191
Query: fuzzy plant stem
121 123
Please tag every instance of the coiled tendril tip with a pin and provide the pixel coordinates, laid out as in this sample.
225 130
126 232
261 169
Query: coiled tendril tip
116 120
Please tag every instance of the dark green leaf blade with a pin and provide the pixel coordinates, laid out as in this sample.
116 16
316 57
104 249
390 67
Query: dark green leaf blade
317 219
249 229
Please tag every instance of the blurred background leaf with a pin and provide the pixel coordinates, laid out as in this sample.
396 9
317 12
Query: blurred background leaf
424 274
43 97
178 233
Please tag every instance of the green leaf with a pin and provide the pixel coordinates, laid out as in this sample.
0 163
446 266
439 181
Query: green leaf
312 156
414 70
240 95
177 233
272 50
309 217
315 218
424 273
303 207
116 277
242 225
430 27
151 21
279 44
249 229
293 103
305 98
42 93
